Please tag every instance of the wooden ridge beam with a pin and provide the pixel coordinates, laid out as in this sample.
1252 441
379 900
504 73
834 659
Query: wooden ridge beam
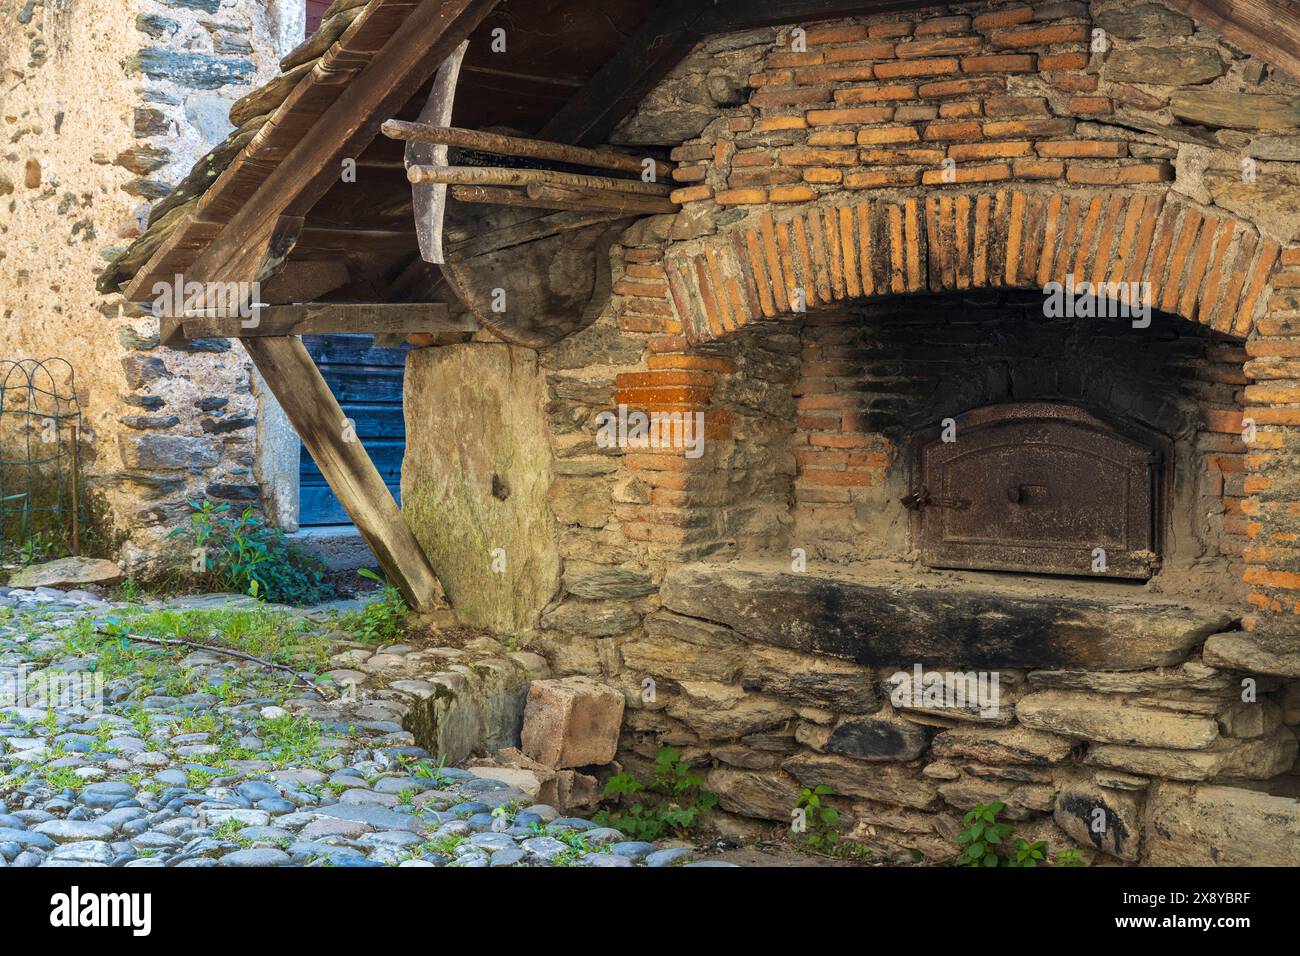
316 416
339 318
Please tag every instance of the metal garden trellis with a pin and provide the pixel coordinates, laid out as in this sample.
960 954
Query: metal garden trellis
40 436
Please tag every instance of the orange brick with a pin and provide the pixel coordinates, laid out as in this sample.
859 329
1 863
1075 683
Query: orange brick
969 174
1019 38
800 156
894 29
903 157
783 58
771 78
780 122
875 179
1291 257
966 130
691 194
854 116
818 476
1091 105
736 197
888 134
1157 172
651 290
1062 61
873 94
968 87
1006 17
858 51
1038 169
910 68
745 178
791 193
1000 63
832 137
1275 579
1084 148
659 378
945 46
822 175
754 157
961 110
963 152
933 25
707 363
996 129
690 174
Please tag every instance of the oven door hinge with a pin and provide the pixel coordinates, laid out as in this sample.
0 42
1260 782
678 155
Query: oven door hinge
923 499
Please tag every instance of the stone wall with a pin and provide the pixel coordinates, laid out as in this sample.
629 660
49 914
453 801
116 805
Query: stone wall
907 167
107 105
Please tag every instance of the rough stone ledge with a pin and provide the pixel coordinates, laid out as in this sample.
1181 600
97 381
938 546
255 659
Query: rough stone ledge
902 620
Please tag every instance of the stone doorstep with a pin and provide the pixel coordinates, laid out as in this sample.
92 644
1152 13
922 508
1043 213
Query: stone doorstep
900 619
338 547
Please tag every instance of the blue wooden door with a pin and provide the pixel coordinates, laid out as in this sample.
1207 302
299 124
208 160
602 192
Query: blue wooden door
367 382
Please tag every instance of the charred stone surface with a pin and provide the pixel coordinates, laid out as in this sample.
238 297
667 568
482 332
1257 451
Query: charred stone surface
901 623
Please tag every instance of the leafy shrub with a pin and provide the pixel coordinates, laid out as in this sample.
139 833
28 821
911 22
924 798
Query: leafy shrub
673 801
244 554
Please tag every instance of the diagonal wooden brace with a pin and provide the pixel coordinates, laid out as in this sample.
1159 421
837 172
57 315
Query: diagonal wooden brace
316 416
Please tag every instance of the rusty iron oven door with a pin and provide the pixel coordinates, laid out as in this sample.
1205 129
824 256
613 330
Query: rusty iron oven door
1037 487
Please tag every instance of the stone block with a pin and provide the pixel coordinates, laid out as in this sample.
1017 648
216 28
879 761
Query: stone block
571 722
67 573
1109 820
1109 719
1221 826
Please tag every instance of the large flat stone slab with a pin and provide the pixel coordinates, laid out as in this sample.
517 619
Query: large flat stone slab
899 620
1221 826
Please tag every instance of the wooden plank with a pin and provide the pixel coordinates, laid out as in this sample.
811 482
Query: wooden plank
528 231
608 200
502 145
316 416
407 59
505 176
1268 29
327 318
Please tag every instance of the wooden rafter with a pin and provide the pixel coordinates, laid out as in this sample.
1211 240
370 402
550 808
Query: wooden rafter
1269 29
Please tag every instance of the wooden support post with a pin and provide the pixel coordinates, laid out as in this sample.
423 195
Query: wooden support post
297 384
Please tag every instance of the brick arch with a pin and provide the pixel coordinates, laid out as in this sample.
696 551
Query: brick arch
1208 268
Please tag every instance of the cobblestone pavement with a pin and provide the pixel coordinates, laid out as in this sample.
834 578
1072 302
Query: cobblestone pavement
114 752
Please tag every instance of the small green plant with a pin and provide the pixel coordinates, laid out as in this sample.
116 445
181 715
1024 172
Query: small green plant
1070 858
985 842
982 836
821 821
242 553
382 621
673 801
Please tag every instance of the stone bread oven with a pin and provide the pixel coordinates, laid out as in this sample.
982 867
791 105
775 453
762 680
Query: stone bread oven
913 465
